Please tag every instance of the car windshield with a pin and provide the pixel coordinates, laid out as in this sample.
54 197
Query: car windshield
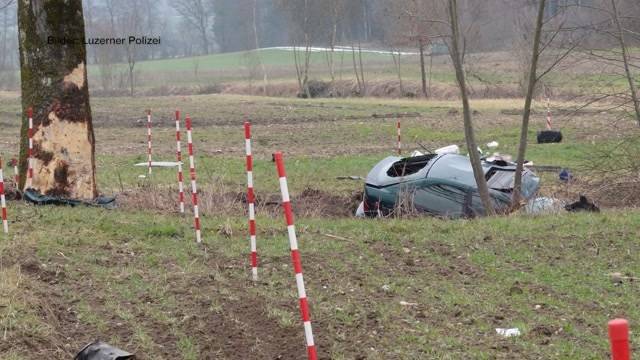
410 165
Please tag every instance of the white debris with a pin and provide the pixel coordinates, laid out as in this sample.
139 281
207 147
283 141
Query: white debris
360 210
543 205
416 153
508 332
451 149
160 164
404 303
493 145
386 288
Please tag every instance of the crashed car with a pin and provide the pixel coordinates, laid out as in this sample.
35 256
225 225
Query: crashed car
440 185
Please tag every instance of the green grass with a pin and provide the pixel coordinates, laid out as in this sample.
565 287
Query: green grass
548 276
239 60
138 280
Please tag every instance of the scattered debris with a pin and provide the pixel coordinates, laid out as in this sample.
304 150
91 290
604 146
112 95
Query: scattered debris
451 149
336 237
166 164
404 303
619 278
99 350
493 145
582 205
508 332
543 205
545 168
565 175
396 115
352 177
225 229
34 196
360 210
549 136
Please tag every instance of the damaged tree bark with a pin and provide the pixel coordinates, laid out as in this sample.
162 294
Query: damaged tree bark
54 83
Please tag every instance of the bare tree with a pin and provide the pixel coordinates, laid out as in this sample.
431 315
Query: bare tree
5 30
397 62
302 62
542 41
130 25
413 23
620 35
336 7
358 69
198 14
257 47
532 79
457 53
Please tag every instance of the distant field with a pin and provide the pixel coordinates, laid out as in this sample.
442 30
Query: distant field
490 74
239 60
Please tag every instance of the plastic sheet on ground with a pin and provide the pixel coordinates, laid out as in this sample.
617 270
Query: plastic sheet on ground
544 205
168 164
34 196
99 350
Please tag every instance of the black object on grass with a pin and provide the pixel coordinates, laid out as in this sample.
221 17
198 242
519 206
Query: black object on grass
99 350
549 136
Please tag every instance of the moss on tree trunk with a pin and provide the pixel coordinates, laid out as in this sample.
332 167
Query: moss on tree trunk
54 83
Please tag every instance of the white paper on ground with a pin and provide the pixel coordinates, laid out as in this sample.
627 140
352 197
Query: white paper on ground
508 332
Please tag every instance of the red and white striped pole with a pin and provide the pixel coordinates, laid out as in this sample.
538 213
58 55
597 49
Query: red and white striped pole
3 203
548 115
295 256
399 142
251 201
619 338
192 172
30 150
149 139
179 157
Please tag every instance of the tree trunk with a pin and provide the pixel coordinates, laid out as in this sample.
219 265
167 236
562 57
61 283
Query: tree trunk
364 83
5 27
54 83
625 60
531 86
265 82
423 72
474 157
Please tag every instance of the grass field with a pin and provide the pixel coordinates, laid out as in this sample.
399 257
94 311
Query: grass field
405 288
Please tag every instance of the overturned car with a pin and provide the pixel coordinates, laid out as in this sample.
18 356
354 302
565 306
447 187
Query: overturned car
440 185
